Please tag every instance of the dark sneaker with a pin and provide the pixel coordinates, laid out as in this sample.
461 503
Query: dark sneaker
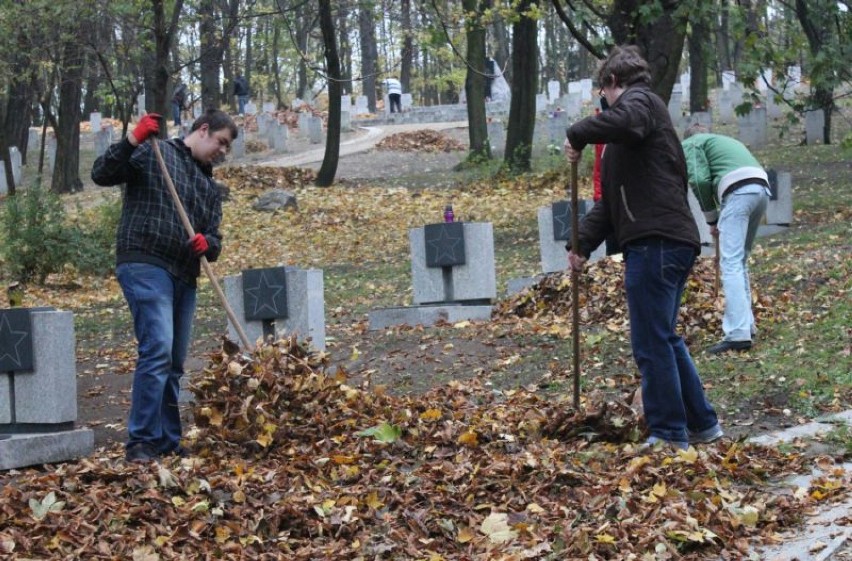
140 453
706 436
725 346
179 451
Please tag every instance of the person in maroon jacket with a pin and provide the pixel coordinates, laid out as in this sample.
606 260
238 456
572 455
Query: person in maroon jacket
644 205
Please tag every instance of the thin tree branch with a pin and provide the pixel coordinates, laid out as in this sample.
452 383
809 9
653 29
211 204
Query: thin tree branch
560 11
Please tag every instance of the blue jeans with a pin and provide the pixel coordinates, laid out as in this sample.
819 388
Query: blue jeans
176 113
741 214
656 271
242 100
162 308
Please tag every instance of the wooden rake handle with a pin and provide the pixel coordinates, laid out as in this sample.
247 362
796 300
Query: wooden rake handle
575 284
204 263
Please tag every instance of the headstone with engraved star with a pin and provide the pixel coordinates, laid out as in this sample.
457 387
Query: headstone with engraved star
38 388
554 234
453 275
453 262
276 301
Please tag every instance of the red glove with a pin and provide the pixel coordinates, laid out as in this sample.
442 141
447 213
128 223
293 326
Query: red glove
148 125
199 244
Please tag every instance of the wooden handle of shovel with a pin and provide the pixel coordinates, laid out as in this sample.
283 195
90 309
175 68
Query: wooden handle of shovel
204 263
575 284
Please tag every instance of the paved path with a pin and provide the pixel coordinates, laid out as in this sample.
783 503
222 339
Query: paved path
826 531
366 139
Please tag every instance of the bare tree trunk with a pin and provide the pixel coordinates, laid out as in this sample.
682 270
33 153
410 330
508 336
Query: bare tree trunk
18 108
93 80
66 170
325 176
345 48
407 46
276 68
164 33
502 51
723 45
369 51
211 54
5 157
519 135
480 147
304 20
698 98
248 66
551 54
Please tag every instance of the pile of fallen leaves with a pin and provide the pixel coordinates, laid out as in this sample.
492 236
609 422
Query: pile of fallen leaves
254 146
602 301
291 462
420 141
262 178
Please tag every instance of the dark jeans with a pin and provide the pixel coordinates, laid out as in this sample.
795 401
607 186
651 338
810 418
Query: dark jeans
162 308
656 271
395 100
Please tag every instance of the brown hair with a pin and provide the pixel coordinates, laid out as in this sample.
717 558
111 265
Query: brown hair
624 67
217 120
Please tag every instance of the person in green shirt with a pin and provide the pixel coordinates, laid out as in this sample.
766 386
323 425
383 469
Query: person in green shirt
733 190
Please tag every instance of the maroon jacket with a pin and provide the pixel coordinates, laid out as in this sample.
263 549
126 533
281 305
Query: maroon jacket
644 177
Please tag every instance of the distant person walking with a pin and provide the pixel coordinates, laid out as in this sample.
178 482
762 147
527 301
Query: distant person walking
644 205
241 90
157 263
722 172
178 101
394 94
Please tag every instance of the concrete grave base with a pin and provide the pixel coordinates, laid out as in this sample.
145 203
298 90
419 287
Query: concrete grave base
23 450
518 285
765 230
383 318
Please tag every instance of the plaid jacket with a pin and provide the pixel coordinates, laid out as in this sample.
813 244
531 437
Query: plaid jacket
150 230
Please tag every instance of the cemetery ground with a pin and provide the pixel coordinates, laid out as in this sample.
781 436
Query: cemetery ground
456 441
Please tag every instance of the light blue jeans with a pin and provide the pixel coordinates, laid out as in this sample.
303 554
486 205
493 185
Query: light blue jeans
741 214
162 308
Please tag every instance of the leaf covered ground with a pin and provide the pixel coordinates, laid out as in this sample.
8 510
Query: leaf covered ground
290 460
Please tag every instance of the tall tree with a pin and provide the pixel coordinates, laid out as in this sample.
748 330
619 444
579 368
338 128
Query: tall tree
658 27
66 169
158 72
325 176
211 54
407 55
345 47
369 51
519 135
480 147
697 43
502 45
828 30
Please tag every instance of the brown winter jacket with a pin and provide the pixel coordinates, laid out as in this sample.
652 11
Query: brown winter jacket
644 177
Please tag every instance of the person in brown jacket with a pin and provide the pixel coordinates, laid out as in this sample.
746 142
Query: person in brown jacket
644 205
